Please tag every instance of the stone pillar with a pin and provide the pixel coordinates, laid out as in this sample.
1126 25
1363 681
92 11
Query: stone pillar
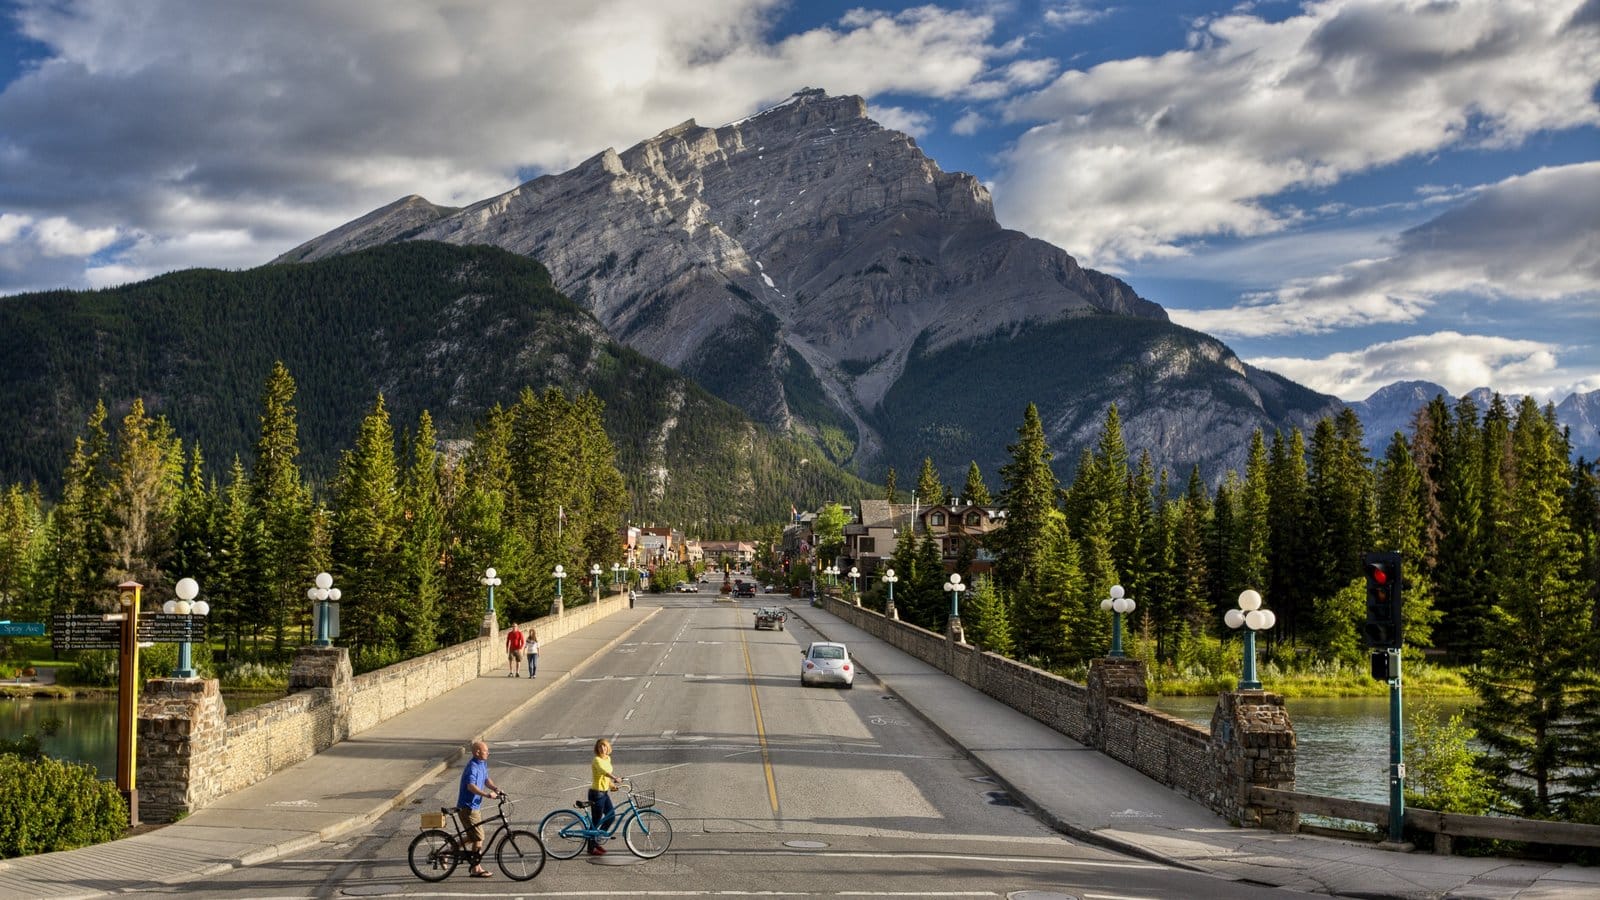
1119 677
1253 743
327 668
183 733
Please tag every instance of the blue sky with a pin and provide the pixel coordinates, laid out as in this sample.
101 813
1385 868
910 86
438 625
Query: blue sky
1349 192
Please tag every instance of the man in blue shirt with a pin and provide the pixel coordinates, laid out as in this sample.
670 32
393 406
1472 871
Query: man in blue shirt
475 785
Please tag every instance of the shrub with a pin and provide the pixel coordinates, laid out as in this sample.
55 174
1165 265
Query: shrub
254 676
48 805
95 668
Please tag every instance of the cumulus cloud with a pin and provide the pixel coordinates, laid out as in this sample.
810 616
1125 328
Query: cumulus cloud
1136 158
280 120
1074 12
1458 362
1531 237
911 121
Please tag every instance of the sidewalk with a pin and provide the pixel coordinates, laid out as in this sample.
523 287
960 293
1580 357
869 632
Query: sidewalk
313 801
1091 797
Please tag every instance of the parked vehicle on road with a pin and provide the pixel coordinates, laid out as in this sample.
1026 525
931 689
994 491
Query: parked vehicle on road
771 617
826 662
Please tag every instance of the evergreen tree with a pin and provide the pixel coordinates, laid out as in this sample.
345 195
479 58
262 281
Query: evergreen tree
282 504
1253 525
1091 626
422 537
930 490
1029 498
1192 578
239 601
1461 577
890 490
1223 552
195 527
1538 690
22 535
603 496
479 495
146 480
1290 543
366 539
78 557
975 491
1046 609
929 604
1402 528
1160 585
1341 502
985 617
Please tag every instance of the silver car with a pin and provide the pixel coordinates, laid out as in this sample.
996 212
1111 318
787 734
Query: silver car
827 663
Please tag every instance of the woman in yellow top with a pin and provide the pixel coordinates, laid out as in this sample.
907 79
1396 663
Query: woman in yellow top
601 783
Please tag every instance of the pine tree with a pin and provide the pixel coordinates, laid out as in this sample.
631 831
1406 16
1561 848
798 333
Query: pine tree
1461 577
1045 610
929 603
1029 497
1401 528
1538 691
985 617
78 556
22 535
1091 626
890 491
975 491
422 541
1191 587
240 603
1291 527
1253 524
146 480
930 490
195 527
366 538
282 505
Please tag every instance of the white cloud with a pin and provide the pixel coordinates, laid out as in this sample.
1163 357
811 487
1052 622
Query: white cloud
970 123
283 119
1133 158
58 236
913 122
1530 237
1075 12
1458 362
12 226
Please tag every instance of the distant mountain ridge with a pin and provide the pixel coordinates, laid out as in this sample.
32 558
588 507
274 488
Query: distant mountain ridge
1394 407
451 330
823 274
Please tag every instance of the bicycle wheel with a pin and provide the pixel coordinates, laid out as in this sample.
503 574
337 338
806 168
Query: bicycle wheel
563 834
433 855
520 855
648 833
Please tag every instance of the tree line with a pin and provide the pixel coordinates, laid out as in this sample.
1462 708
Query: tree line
1499 529
406 525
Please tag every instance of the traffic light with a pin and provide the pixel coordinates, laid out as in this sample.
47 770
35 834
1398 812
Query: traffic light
1382 629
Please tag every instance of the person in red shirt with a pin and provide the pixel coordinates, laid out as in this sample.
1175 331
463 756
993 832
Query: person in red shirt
514 640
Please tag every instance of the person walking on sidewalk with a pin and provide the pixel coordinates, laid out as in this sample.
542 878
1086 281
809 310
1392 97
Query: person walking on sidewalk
475 785
513 652
530 646
601 784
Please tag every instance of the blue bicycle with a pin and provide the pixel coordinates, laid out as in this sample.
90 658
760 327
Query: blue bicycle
646 831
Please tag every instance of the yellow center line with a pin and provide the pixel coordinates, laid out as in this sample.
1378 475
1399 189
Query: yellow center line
761 729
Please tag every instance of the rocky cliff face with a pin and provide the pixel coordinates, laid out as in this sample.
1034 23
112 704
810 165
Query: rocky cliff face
797 263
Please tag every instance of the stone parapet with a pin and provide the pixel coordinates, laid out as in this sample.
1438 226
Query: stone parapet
182 730
1253 743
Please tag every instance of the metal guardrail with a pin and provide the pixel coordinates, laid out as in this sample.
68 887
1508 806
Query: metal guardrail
1446 825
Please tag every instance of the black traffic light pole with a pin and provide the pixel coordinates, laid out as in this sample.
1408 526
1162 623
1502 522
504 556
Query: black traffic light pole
1383 634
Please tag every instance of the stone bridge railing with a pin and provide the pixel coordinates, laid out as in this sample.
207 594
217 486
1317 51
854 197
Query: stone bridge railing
191 752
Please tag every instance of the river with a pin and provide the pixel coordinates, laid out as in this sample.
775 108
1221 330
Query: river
1343 741
88 731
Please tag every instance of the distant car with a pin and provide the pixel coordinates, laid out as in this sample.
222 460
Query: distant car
770 589
685 587
826 663
745 589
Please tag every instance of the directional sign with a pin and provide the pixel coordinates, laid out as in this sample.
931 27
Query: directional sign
71 631
21 629
171 628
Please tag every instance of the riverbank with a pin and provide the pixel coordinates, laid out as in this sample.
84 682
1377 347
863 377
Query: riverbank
1320 681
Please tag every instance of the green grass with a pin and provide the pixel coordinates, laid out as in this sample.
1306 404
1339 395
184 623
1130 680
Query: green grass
1316 680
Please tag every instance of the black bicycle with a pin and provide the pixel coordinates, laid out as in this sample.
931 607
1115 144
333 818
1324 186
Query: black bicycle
435 853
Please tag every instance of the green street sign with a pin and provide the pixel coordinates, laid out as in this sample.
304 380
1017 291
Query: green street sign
21 629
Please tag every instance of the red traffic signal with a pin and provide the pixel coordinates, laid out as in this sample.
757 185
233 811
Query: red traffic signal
1383 627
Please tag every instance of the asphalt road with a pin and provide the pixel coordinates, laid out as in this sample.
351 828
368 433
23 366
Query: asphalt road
773 790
